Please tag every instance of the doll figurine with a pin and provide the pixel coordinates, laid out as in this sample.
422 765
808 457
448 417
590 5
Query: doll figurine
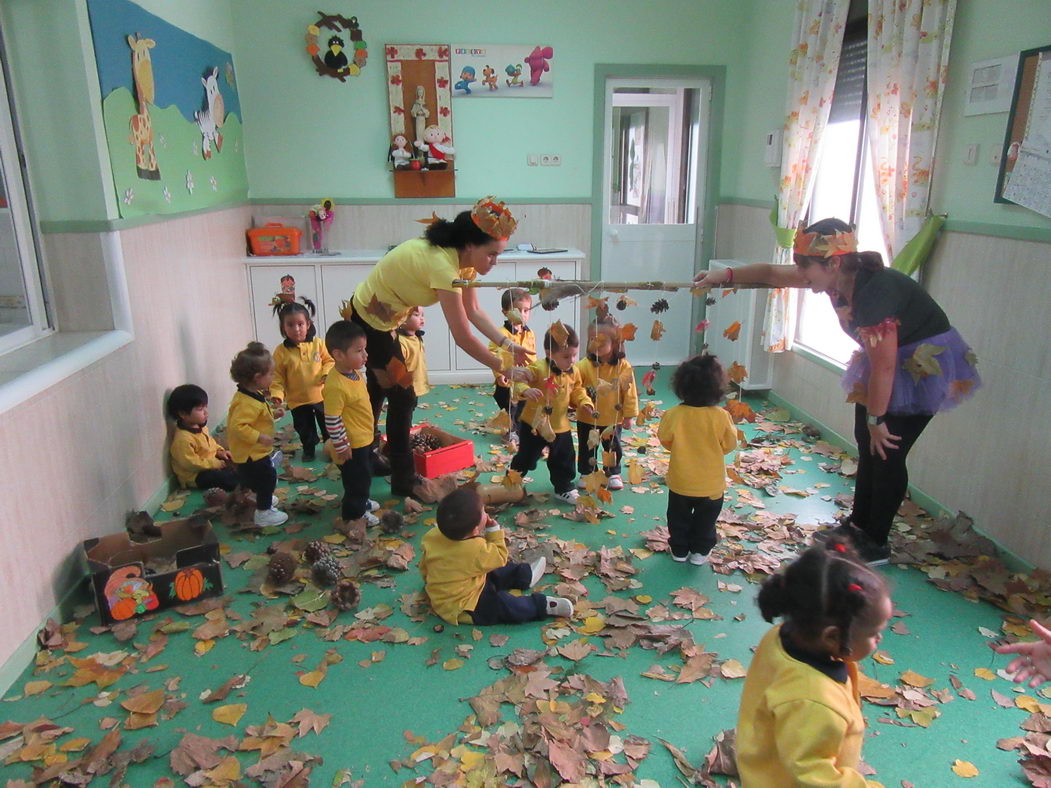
399 152
436 147
420 113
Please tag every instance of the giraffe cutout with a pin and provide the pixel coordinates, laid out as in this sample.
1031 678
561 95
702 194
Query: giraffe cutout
141 125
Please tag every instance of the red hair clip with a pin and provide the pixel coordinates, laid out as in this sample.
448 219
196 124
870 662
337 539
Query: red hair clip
839 547
853 587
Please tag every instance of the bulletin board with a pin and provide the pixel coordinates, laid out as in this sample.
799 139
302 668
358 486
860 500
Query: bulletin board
171 113
1025 164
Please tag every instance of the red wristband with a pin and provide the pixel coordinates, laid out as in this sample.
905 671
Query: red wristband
729 276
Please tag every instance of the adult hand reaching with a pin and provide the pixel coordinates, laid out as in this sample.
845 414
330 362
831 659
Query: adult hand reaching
1034 656
517 374
520 354
712 278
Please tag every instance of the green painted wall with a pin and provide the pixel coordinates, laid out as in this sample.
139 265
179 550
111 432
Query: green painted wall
309 137
984 29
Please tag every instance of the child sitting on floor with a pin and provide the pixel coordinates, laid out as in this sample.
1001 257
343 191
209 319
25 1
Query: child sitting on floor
197 458
800 719
552 387
466 574
301 364
610 380
250 430
697 433
516 304
348 417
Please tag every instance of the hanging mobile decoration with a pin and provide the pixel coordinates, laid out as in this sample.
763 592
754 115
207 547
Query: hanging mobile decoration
659 306
334 61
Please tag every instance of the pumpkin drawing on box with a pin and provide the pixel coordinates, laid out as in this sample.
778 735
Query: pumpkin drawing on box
129 594
189 584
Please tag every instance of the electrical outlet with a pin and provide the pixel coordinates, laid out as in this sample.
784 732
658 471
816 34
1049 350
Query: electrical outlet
971 156
545 160
556 160
531 160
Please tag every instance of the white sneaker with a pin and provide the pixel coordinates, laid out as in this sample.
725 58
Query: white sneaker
559 606
680 559
538 567
569 496
615 482
271 516
373 505
370 519
697 559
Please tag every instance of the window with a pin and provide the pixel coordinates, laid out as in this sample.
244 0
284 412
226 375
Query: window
844 187
23 309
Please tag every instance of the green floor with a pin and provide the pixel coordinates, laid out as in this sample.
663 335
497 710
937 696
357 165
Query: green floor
385 702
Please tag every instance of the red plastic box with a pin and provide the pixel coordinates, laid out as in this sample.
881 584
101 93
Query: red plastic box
454 455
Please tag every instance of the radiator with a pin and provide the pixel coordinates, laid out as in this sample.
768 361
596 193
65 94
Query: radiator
747 308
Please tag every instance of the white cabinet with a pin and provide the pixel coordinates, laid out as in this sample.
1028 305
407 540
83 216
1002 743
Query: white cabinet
746 307
328 281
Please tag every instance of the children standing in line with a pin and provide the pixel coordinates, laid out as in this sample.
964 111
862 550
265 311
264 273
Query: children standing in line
608 374
197 458
697 433
250 430
552 387
466 574
800 719
301 364
348 416
516 304
410 337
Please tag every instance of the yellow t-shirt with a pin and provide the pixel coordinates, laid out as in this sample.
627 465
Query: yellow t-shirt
415 362
519 334
562 390
796 725
697 439
248 418
622 376
454 571
299 372
408 276
349 400
193 452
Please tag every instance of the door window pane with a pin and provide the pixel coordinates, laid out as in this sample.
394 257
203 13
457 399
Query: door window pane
14 298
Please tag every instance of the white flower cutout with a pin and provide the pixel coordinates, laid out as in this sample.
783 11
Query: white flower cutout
162 141
195 147
129 195
189 182
167 195
213 183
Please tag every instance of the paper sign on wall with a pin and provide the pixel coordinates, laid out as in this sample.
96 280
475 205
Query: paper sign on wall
502 71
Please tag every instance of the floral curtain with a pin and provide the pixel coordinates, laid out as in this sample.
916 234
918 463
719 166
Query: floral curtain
908 55
812 64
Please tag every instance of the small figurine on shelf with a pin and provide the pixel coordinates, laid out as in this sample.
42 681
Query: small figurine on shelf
399 152
419 112
436 146
287 295
321 216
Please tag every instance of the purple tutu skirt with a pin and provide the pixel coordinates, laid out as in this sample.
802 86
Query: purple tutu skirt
932 375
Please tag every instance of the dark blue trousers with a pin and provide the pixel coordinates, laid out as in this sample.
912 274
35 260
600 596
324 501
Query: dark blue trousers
691 523
356 474
496 606
260 477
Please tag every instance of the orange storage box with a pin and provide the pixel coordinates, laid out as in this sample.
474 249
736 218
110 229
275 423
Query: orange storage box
455 453
274 239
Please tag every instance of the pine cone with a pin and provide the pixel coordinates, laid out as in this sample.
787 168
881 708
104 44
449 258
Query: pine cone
424 441
215 496
346 594
281 568
315 550
659 306
392 522
327 570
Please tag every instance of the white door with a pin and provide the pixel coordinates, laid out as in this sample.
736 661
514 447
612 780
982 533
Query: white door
654 150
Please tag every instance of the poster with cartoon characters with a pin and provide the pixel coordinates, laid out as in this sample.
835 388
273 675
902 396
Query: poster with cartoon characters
171 113
502 71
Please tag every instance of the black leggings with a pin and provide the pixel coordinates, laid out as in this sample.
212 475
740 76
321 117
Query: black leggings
880 485
260 477
309 420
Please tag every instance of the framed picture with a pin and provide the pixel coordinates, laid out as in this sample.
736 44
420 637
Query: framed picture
1025 164
503 71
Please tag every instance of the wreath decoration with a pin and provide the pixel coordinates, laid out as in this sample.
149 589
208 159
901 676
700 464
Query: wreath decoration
333 61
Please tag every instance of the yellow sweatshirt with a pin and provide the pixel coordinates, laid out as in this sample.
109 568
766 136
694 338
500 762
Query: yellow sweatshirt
519 334
248 418
454 570
697 439
798 726
415 361
561 390
299 372
622 378
192 452
348 412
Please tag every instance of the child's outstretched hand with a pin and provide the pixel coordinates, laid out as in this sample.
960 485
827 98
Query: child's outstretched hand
1034 656
533 394
627 424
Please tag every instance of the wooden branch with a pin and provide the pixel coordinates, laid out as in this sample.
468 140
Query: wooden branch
571 287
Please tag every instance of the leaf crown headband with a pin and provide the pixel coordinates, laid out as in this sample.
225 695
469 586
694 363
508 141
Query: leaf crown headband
818 245
493 218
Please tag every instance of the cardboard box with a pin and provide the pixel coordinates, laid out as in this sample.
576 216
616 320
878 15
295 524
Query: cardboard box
124 583
454 455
